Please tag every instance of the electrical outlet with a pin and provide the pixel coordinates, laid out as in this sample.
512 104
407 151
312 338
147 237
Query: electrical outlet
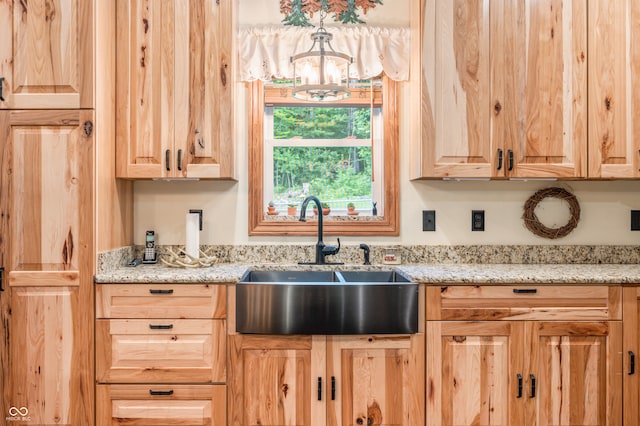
428 220
477 220
199 212
635 220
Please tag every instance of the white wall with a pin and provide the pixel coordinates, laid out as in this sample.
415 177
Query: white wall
605 206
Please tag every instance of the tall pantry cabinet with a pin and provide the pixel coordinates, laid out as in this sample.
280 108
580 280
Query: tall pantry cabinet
46 211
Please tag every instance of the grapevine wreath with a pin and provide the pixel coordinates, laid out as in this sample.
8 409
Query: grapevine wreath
534 225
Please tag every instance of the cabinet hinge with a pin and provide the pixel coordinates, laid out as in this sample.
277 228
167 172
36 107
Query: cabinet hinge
88 128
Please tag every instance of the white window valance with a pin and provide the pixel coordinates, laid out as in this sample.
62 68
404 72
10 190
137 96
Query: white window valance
265 51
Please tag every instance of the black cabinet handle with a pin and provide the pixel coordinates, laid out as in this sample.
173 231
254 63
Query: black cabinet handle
510 160
180 159
519 386
319 388
166 161
1 84
155 291
333 388
632 363
533 385
161 393
499 159
525 290
1 278
160 326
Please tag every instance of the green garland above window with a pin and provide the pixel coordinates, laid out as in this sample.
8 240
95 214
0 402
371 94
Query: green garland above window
298 12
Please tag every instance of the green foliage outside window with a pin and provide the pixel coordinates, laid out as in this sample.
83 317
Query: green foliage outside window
321 123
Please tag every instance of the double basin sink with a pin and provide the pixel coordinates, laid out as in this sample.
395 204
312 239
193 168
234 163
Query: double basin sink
326 302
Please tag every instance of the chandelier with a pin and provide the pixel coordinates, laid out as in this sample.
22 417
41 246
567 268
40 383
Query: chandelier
321 73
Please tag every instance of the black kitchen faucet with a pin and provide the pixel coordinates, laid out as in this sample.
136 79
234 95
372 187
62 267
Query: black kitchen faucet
322 250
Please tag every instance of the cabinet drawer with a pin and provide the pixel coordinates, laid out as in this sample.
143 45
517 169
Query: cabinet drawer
161 301
518 302
160 351
161 405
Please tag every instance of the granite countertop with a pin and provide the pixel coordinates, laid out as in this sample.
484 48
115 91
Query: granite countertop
424 273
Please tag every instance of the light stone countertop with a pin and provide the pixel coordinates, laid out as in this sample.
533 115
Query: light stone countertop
423 273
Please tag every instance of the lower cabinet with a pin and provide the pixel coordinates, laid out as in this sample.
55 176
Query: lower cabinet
317 380
496 356
161 405
161 354
631 374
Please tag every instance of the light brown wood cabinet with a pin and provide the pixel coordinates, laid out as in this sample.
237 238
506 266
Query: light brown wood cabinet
317 380
46 54
174 78
542 355
46 248
503 89
631 349
614 89
161 353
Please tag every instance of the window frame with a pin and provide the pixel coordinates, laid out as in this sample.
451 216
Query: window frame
384 225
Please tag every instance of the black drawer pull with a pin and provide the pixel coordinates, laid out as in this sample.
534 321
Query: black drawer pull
510 160
525 290
155 291
519 386
499 159
180 160
160 326
533 385
166 160
1 84
319 388
161 393
632 363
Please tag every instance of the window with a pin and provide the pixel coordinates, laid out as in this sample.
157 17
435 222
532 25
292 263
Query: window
299 149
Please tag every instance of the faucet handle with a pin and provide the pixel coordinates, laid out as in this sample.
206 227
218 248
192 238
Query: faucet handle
327 250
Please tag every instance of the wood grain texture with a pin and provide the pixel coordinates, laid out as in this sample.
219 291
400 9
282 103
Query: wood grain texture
114 197
614 79
631 343
47 56
175 89
471 373
186 351
161 301
187 405
271 380
378 380
501 303
500 80
577 367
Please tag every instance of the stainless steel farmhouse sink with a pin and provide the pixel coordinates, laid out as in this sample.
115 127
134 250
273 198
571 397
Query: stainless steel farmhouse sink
326 302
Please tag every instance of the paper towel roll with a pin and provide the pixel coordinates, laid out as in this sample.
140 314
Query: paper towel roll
192 243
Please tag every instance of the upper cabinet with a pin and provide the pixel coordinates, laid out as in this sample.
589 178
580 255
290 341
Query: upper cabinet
503 88
46 54
174 88
614 89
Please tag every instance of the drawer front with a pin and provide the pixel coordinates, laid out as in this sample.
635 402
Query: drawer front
518 302
160 351
161 405
161 301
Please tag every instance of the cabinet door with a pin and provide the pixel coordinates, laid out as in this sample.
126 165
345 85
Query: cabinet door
145 84
46 54
204 88
276 380
473 371
455 80
614 89
194 405
577 369
631 347
47 182
502 89
375 380
546 83
174 115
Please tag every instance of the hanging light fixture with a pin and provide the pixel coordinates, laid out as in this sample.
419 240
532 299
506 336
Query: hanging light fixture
321 74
